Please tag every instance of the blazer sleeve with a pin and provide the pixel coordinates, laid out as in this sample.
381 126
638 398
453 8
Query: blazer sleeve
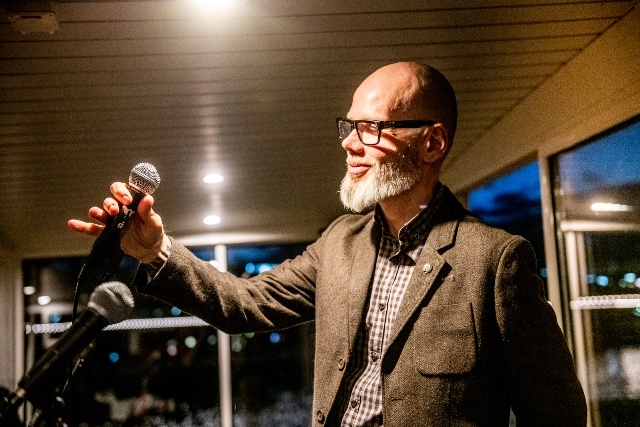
277 299
543 384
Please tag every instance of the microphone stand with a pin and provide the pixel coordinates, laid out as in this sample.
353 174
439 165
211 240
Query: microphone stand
51 413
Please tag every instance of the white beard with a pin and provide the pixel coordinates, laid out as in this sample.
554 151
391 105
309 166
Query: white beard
386 179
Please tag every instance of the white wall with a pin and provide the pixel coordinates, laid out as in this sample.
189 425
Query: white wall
11 319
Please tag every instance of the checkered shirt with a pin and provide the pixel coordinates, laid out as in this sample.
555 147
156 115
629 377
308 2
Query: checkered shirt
362 397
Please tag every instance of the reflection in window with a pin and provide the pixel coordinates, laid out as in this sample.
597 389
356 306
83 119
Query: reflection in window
601 180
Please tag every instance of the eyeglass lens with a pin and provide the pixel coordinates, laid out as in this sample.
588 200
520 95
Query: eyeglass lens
367 131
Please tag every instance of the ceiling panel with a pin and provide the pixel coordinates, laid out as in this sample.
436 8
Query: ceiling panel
253 95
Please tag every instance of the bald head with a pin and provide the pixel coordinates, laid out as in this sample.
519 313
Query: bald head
407 91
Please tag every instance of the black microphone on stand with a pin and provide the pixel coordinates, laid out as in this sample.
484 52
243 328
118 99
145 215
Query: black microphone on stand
109 303
105 256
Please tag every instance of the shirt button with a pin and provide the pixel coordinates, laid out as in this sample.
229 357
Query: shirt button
381 306
320 417
341 364
354 403
374 356
427 268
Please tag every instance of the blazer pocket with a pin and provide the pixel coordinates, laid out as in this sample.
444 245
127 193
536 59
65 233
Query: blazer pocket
446 340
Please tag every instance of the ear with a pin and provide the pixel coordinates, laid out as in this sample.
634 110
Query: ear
436 146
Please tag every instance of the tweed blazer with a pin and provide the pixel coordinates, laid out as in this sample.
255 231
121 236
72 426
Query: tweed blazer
474 335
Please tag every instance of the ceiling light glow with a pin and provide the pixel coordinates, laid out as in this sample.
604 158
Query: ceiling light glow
212 219
210 6
213 178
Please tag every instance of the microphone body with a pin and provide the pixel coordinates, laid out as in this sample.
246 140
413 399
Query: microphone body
109 303
106 254
76 338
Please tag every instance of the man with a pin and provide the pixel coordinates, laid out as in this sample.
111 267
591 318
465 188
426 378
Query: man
424 315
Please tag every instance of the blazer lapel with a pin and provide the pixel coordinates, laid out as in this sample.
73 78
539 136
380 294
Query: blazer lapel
431 266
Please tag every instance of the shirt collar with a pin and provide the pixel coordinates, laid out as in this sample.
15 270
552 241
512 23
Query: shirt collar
416 230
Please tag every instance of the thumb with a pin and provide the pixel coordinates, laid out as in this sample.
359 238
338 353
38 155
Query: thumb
148 223
145 207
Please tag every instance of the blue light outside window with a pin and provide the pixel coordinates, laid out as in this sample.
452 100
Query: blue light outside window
512 202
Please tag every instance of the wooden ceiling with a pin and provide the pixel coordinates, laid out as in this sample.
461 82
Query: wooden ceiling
251 93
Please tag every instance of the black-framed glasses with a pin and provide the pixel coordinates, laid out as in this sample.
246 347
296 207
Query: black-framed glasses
369 131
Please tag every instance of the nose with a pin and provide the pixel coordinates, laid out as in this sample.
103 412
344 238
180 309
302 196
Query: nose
352 143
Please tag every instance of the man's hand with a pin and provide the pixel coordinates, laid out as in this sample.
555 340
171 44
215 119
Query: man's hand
142 238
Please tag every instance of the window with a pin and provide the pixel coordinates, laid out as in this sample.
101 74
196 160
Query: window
512 202
169 375
596 194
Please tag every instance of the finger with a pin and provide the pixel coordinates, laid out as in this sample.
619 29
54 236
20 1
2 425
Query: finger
121 192
99 215
85 227
111 206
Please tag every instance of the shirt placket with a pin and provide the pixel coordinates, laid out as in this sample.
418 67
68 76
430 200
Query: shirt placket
366 398
394 266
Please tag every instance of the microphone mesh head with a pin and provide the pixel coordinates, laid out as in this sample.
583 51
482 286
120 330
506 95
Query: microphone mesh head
113 301
144 177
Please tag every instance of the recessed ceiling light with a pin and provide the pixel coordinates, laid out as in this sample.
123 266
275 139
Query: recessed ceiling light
212 6
213 178
211 219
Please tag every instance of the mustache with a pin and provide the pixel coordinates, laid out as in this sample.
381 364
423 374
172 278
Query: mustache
352 161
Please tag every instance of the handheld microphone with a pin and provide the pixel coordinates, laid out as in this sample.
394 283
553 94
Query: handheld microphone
109 303
106 254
